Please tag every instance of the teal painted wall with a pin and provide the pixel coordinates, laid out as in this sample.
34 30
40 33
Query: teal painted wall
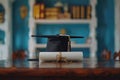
20 26
2 36
49 3
71 29
105 27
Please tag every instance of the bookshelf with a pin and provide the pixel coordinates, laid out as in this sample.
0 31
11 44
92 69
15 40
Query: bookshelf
92 24
6 47
62 21
117 25
72 46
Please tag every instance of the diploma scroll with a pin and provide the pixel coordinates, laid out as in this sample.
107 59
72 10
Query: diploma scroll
54 56
60 65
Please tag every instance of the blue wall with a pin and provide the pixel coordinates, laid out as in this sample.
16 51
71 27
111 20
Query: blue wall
71 29
105 29
2 36
49 3
20 26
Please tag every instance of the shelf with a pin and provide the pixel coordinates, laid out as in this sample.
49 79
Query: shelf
2 28
92 24
80 45
72 45
1 45
61 21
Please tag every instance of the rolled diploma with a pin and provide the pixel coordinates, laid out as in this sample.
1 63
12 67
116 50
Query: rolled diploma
51 56
60 65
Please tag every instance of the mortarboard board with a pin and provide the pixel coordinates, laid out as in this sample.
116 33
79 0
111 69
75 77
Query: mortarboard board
60 42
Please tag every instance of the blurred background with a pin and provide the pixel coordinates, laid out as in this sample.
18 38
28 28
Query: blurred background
96 20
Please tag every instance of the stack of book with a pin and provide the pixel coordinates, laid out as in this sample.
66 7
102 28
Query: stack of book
1 17
52 13
39 11
76 12
81 12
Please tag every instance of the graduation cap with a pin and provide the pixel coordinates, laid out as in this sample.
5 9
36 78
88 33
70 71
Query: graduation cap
60 42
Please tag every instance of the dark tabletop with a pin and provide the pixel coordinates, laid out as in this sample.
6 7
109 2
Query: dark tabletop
87 69
85 63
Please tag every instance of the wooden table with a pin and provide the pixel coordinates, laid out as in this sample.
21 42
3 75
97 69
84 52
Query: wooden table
88 69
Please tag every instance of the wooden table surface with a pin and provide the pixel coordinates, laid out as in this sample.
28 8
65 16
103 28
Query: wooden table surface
87 69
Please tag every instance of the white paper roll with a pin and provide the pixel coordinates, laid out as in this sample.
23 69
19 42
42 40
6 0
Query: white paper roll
60 65
52 56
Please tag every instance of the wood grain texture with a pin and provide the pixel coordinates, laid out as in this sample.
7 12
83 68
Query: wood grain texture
85 70
62 73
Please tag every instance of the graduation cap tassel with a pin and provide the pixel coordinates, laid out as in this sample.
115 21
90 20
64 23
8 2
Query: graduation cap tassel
69 44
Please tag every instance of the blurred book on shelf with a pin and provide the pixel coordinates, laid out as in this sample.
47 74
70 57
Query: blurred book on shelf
52 13
39 11
81 12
